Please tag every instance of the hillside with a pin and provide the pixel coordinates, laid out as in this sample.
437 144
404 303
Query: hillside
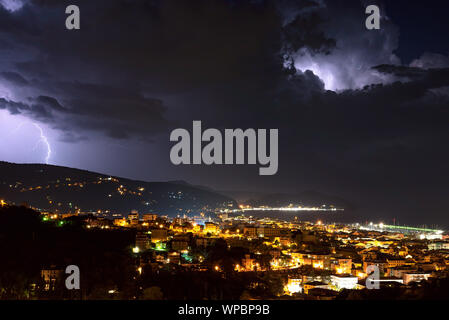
306 198
61 189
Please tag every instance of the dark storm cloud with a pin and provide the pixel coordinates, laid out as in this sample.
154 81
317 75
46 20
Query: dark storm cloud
73 82
118 71
38 111
50 103
138 69
208 59
14 78
123 72
402 71
304 31
13 107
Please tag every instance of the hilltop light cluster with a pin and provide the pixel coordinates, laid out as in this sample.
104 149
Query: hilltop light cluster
290 208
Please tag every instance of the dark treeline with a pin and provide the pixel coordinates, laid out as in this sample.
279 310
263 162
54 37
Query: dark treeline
28 244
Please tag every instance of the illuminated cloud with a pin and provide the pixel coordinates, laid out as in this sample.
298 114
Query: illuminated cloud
341 69
431 60
348 62
22 140
12 5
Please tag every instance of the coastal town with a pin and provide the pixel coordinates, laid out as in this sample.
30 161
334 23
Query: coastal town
309 260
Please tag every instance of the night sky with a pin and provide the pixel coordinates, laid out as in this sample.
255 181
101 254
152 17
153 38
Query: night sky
361 114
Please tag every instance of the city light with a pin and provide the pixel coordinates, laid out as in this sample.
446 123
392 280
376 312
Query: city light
179 244
293 286
287 209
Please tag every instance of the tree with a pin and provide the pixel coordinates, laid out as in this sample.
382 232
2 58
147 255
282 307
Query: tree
245 295
152 293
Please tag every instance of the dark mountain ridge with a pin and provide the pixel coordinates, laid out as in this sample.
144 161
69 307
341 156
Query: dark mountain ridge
305 198
61 189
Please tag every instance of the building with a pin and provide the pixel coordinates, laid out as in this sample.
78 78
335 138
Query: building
341 266
415 277
120 222
317 261
248 263
396 262
382 265
400 271
344 281
98 223
51 276
270 232
142 241
179 245
133 218
180 221
293 286
438 246
315 285
158 235
202 242
134 215
210 227
250 232
174 257
148 217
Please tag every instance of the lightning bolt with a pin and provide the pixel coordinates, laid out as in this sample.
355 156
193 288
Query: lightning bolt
43 139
